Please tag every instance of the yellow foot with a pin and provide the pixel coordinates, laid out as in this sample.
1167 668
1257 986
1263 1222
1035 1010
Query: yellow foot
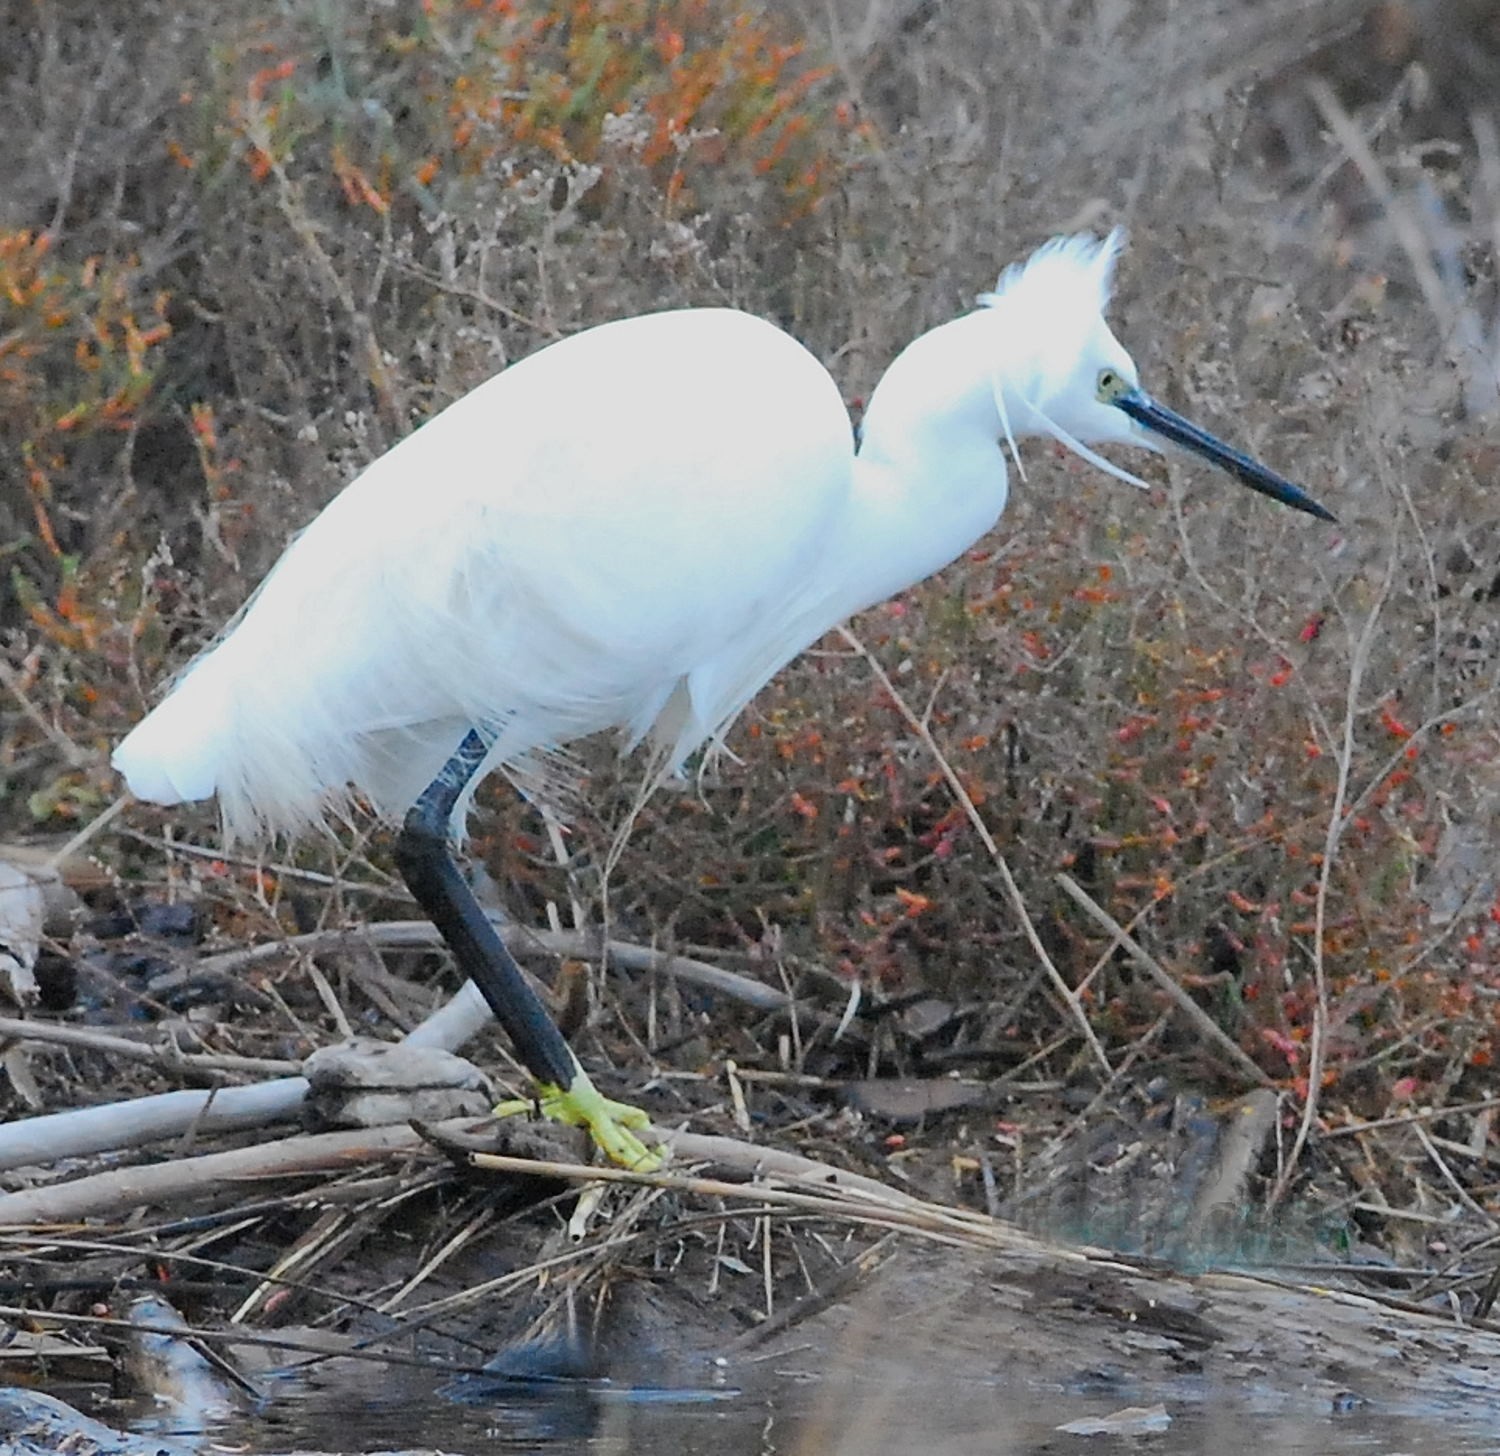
609 1123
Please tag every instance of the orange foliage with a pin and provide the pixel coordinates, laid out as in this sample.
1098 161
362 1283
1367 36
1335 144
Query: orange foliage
686 85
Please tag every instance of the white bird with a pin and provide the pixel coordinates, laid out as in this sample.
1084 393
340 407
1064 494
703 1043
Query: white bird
632 529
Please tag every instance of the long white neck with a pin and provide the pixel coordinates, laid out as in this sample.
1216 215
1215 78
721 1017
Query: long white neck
929 476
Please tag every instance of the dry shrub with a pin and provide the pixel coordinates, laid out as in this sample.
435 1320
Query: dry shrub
363 224
1265 744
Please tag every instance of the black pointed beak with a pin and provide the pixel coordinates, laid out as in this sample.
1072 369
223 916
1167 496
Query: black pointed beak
1169 425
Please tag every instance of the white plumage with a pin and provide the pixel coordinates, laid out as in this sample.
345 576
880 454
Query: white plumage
522 561
632 529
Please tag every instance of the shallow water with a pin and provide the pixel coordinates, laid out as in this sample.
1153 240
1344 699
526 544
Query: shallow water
782 1409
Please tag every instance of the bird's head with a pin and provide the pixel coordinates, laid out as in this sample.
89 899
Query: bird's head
1063 373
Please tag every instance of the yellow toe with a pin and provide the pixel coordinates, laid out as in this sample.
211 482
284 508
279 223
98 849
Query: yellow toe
609 1123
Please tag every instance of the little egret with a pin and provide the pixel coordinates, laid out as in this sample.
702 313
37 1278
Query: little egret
632 529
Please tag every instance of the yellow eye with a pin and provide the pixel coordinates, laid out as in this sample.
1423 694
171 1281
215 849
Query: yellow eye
1110 387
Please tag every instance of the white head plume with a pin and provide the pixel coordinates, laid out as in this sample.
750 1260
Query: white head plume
1052 306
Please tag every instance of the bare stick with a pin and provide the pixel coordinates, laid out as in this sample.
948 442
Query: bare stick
1451 1178
121 1189
40 1141
385 886
168 1055
132 1123
1069 997
72 753
91 830
520 940
305 230
1202 1021
1457 322
1405 1119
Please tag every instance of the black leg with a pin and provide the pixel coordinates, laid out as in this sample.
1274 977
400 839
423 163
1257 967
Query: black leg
432 877
566 1093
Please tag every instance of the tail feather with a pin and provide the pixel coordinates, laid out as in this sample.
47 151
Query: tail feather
172 755
283 751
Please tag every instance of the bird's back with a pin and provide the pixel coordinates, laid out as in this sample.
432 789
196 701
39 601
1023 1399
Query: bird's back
615 532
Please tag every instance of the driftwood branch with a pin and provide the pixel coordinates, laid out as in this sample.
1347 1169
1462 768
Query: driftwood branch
122 1189
85 1131
38 1141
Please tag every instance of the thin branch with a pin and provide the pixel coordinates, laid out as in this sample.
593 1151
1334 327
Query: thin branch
119 1190
1462 334
521 940
1065 991
386 886
1450 1177
1338 819
167 1055
73 755
1205 1024
1406 1119
91 830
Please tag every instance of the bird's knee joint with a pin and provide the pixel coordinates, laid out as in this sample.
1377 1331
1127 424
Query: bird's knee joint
421 840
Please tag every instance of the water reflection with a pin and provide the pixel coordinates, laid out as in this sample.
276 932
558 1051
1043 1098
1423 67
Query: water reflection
782 1409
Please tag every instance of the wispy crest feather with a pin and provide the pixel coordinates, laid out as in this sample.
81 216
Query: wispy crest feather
1058 294
1080 266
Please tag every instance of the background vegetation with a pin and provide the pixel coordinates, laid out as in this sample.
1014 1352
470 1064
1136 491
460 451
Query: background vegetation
244 250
